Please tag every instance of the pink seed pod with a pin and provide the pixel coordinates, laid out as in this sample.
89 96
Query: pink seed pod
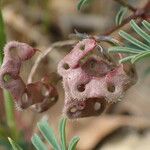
47 95
23 50
42 94
91 85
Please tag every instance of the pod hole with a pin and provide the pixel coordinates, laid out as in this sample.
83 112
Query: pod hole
97 106
81 105
81 87
73 109
92 64
44 91
25 98
82 47
66 66
111 87
7 77
53 98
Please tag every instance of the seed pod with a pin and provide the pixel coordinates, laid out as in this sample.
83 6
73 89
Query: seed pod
91 85
42 94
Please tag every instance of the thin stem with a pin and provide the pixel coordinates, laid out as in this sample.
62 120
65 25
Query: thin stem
125 4
127 20
2 38
9 107
46 52
138 13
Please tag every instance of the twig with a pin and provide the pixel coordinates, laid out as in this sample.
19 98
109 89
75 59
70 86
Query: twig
124 3
139 13
47 51
128 19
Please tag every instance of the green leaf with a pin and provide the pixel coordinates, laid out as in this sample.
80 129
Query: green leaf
48 133
120 15
37 142
5 144
146 25
9 107
82 3
2 37
142 50
139 31
140 56
62 126
134 41
14 145
73 143
126 59
121 49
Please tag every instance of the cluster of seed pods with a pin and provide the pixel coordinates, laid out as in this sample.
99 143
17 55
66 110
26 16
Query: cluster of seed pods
41 94
91 84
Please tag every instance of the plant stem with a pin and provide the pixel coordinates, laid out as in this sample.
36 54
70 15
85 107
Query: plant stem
125 4
2 38
9 110
138 13
128 19
9 107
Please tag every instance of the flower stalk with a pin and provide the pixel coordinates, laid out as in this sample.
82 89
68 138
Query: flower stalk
9 107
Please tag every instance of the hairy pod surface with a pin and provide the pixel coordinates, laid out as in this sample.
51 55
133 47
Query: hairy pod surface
41 94
92 84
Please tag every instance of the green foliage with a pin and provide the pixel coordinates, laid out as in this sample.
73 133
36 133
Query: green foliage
62 126
120 15
14 145
137 50
50 137
9 108
81 3
48 134
73 143
2 37
37 142
146 25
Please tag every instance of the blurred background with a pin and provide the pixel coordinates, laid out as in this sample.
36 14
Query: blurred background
126 125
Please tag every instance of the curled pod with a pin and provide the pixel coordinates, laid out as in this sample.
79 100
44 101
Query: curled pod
24 95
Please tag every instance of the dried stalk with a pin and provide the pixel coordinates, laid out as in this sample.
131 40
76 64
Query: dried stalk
125 4
46 52
138 13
